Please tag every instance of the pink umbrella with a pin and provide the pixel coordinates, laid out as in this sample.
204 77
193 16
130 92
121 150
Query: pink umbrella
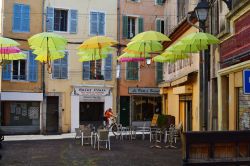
131 59
9 50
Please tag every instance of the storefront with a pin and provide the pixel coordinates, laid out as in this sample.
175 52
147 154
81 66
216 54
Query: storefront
88 105
21 112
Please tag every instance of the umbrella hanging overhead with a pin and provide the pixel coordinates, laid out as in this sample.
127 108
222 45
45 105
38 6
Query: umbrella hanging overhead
92 58
200 38
163 59
144 46
131 59
176 56
13 56
97 42
181 47
133 55
9 50
6 42
94 54
150 36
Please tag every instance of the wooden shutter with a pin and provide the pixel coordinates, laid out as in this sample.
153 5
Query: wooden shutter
33 67
132 71
56 69
6 71
93 23
125 26
50 19
159 72
16 21
73 21
101 24
25 18
108 68
64 67
135 71
158 25
141 26
86 70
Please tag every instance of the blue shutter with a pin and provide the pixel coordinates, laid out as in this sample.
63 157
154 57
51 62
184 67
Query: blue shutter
108 68
16 21
140 27
125 26
101 24
25 21
93 23
6 71
64 66
73 21
86 70
56 69
50 19
33 67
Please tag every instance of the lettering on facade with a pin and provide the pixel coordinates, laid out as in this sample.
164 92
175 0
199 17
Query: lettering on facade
91 91
144 90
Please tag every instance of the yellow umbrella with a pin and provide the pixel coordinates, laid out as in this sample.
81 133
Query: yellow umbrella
6 42
14 56
85 58
97 42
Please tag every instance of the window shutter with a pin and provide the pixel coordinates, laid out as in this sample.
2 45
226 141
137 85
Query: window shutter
135 70
16 24
64 66
86 70
159 2
73 21
6 71
25 24
159 71
50 19
125 26
158 25
33 67
132 70
93 23
108 68
56 69
141 27
101 22
129 71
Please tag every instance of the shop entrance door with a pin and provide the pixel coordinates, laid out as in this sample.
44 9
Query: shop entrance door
186 112
52 114
124 110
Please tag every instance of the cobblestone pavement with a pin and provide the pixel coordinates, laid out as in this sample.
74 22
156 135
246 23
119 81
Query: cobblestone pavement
70 152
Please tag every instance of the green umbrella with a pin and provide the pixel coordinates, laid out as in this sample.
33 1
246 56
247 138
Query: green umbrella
6 42
200 38
144 46
181 47
163 59
150 36
85 58
175 56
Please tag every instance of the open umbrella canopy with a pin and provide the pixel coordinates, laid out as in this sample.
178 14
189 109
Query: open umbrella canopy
6 42
171 55
150 36
133 55
163 59
98 42
91 52
13 56
200 38
181 47
42 55
9 50
131 59
144 46
92 58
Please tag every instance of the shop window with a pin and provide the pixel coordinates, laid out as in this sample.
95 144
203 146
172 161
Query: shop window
60 20
243 110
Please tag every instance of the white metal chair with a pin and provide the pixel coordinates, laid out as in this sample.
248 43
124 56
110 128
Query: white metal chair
78 134
144 130
103 136
87 134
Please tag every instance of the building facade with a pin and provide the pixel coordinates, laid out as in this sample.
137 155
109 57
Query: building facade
233 101
137 86
79 93
21 90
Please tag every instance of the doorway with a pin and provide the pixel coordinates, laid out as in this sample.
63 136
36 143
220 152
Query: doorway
52 114
186 112
124 110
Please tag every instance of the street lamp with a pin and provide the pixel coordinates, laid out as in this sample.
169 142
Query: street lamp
201 11
148 61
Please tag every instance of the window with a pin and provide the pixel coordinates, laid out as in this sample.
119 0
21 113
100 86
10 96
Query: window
132 26
19 70
60 20
21 18
182 9
159 2
160 26
97 23
96 71
132 71
215 18
159 72
243 110
135 0
60 68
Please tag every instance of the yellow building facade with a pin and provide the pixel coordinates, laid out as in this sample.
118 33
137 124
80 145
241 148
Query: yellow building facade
87 89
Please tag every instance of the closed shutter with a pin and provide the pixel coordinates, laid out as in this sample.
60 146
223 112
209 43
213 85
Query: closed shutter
132 71
108 68
135 71
125 26
93 23
6 71
141 26
159 72
101 24
158 25
16 24
129 71
50 19
33 67
64 67
86 70
25 24
73 21
56 69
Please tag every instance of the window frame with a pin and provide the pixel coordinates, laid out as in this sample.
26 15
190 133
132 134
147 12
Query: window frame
52 65
161 20
126 73
68 20
105 22
26 69
102 69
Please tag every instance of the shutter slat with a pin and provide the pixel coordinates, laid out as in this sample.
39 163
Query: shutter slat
64 66
6 71
50 19
25 18
86 70
73 21
33 67
125 26
16 25
108 68
101 24
93 23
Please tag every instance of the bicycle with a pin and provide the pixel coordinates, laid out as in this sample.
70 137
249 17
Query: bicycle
114 127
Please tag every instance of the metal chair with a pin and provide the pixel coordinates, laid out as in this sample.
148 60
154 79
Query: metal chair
87 134
103 136
78 133
144 130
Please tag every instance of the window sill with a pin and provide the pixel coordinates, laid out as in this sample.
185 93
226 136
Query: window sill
24 81
21 31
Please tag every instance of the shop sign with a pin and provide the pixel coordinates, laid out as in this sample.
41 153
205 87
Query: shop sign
91 91
144 91
246 81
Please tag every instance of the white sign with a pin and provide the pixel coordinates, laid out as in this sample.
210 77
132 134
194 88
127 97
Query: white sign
91 91
144 90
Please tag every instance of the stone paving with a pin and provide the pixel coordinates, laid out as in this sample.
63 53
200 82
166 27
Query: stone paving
70 152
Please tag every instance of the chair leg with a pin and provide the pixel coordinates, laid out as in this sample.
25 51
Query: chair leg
109 144
98 145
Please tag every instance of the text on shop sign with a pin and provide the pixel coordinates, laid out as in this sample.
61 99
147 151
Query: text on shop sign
144 90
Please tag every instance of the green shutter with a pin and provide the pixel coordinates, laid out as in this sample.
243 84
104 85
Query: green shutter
159 72
135 70
158 25
140 22
125 26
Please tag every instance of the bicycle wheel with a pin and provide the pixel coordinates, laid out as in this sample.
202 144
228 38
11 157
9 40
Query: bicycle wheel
114 129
